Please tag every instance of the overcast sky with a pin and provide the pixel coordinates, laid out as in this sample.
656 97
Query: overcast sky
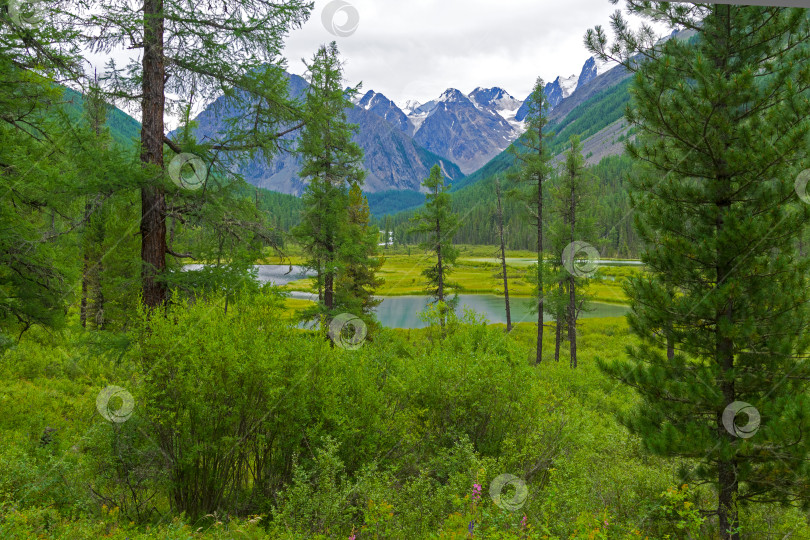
415 49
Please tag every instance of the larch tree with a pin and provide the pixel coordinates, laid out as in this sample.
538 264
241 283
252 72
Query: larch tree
573 204
722 124
359 261
437 222
499 218
188 52
533 170
332 163
91 306
38 213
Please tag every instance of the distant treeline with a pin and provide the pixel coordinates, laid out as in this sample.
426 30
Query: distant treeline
475 206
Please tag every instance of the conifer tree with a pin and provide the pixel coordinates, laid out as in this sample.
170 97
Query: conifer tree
92 295
722 123
35 281
331 163
499 217
533 169
573 205
194 51
359 262
438 223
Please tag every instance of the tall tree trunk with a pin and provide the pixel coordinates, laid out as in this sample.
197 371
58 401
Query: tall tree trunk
329 284
153 201
540 306
329 274
440 274
572 284
85 264
503 257
727 466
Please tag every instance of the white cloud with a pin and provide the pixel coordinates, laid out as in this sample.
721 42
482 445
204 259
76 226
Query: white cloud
415 49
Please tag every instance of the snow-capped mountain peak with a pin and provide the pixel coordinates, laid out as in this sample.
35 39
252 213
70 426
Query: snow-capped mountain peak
592 69
410 105
568 84
495 98
452 95
368 99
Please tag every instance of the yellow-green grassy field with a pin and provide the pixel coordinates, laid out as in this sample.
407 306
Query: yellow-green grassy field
475 275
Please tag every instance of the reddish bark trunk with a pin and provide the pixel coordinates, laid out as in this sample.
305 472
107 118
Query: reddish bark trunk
153 201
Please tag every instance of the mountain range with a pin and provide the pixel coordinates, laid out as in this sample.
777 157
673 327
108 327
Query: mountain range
459 132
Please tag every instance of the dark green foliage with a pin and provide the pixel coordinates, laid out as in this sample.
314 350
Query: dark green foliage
391 202
339 244
531 174
722 124
357 280
573 222
437 224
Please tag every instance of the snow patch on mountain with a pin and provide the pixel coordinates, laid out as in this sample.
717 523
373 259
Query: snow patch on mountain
409 106
568 85
451 95
603 66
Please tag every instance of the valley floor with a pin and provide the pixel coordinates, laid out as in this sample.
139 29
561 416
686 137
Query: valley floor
477 272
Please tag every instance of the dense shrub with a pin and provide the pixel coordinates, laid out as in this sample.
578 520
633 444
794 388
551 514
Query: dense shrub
245 426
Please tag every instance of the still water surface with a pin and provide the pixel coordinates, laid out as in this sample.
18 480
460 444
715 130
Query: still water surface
403 311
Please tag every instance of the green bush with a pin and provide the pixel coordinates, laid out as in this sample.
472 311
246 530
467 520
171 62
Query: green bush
245 426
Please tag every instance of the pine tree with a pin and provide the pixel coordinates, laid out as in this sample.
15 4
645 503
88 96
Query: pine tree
722 124
34 282
533 169
439 224
332 163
